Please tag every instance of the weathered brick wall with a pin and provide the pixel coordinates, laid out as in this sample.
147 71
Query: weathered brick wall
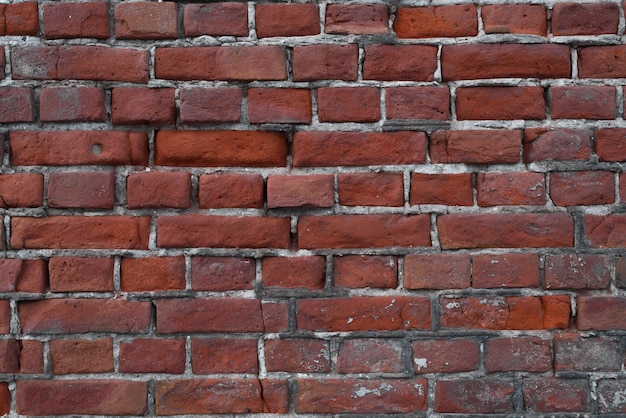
312 208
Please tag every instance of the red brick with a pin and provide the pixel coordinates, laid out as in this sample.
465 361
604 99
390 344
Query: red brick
325 62
77 316
95 232
308 272
359 271
274 316
17 104
468 396
146 20
20 18
224 355
610 398
363 231
82 189
216 19
445 356
230 63
555 395
285 191
363 314
601 313
526 354
437 271
358 19
505 230
28 276
400 62
76 20
21 190
78 148
171 189
583 102
222 273
348 104
231 190
77 274
31 358
370 356
499 102
436 22
273 105
5 317
208 315
149 355
572 271
363 396
622 187
82 356
493 271
610 144
212 105
495 189
441 189
220 149
541 144
287 19
222 231
427 102
606 231
311 149
297 356
143 106
582 188
528 19
371 189
98 397
2 73
607 61
593 354
497 146
9 356
584 19
620 272
69 104
152 274
485 61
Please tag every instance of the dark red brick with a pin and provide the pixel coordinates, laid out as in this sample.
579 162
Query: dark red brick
358 19
216 19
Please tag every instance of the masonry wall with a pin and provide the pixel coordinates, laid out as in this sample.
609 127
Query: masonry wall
312 208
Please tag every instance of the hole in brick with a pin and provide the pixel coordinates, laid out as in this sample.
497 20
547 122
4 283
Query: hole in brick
96 149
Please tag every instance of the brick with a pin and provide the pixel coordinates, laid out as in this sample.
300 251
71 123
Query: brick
146 20
427 103
78 232
76 20
544 144
363 231
593 354
370 356
485 61
505 230
583 102
610 145
357 19
224 355
363 396
228 315
528 19
311 149
169 189
555 395
82 189
441 189
275 396
361 271
31 357
606 231
363 314
601 313
577 271
72 104
152 274
59 148
474 103
236 63
610 398
21 190
28 276
348 104
20 18
602 61
584 19
216 19
495 189
437 271
436 22
445 356
17 104
325 62
274 316
285 191
222 273
5 398
620 272
5 317
297 356
78 316
287 19
220 149
308 272
493 271
222 232
2 66
231 190
526 354
497 146
467 396
400 62
82 356
9 356
211 105
77 274
149 355
273 105
370 189
143 106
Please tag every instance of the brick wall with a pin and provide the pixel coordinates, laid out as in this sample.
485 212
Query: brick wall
312 208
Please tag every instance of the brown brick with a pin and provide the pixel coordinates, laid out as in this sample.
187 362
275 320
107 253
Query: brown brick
146 20
21 190
273 105
496 189
297 356
143 106
76 20
151 355
358 19
428 103
77 274
325 62
528 19
300 191
210 105
359 271
348 104
222 273
505 270
400 62
216 19
497 146
436 21
474 103
287 19
541 144
441 189
84 189
437 271
445 356
231 190
72 104
224 355
152 274
158 189
371 355
308 272
583 102
576 188
81 356
584 19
